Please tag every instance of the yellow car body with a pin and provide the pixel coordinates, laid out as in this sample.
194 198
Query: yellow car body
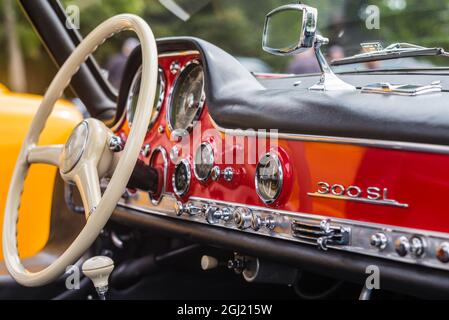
16 113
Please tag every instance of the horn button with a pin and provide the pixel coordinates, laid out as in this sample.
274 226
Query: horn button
74 148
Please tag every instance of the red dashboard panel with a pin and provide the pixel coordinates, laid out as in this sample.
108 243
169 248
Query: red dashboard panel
416 180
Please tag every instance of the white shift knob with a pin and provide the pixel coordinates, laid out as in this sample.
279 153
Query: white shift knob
98 270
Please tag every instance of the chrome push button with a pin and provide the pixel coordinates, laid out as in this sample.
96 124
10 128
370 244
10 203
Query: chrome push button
379 241
402 246
443 252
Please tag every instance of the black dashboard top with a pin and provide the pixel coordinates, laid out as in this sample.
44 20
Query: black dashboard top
237 100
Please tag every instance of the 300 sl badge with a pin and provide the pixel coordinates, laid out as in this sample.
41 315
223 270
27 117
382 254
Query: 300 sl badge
371 195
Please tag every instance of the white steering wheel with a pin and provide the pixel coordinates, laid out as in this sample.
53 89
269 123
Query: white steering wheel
86 157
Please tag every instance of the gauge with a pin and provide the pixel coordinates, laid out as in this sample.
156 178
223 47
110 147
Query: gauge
133 97
187 98
203 162
269 178
181 178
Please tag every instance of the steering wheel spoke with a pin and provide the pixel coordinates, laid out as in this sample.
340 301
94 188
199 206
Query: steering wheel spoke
45 154
88 184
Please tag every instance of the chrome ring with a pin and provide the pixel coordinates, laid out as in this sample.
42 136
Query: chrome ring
170 98
180 193
275 157
158 107
211 150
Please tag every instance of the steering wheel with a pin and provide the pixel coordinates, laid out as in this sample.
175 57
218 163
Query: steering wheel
86 156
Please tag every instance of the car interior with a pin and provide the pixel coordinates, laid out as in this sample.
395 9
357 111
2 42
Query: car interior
198 179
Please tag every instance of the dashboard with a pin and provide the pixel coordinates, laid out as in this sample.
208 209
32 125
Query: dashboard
330 193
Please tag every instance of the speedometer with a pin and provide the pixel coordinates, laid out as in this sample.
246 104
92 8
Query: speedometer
187 98
133 97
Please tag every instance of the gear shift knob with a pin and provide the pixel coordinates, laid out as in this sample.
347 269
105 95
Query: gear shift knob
98 270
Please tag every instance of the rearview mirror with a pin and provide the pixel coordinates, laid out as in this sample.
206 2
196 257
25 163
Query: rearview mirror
290 29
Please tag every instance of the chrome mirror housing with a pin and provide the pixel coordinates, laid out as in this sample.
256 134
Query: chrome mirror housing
291 30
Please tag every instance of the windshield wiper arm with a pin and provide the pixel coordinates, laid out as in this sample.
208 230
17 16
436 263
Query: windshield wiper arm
394 51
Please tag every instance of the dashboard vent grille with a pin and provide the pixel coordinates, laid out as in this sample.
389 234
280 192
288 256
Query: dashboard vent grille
323 233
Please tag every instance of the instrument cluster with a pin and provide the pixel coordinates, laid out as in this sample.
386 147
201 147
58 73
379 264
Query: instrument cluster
180 107
330 195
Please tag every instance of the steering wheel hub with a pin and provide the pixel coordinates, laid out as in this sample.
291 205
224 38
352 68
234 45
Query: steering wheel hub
75 146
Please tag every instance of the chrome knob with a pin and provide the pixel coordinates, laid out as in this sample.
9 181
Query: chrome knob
417 247
402 246
215 173
193 210
211 216
214 214
188 208
257 222
228 174
379 241
443 252
116 144
243 218
180 208
146 150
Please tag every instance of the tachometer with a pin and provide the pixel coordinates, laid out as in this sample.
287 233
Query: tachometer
187 98
133 96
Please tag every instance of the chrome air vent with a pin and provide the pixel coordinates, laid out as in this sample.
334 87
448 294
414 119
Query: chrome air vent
323 233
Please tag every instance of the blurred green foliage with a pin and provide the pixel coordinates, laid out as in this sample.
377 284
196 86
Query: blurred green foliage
236 26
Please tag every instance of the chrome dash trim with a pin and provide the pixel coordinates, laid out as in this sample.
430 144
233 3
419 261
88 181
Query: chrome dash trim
360 232
372 143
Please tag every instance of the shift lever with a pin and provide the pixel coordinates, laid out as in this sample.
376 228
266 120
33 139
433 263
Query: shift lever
98 270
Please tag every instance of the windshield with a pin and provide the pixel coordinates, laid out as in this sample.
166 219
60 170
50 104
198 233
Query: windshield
236 26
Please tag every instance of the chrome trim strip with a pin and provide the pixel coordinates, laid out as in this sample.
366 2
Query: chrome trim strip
361 233
392 203
372 143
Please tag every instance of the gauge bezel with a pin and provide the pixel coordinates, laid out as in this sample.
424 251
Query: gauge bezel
181 193
163 152
275 157
162 79
211 151
177 82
